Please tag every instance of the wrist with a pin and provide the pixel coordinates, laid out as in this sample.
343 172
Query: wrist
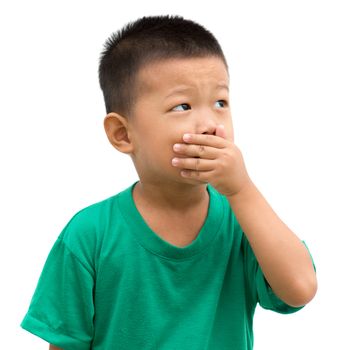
247 188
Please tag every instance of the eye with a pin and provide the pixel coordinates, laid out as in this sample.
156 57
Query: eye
185 107
222 103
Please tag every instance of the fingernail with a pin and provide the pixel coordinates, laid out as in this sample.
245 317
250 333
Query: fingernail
187 137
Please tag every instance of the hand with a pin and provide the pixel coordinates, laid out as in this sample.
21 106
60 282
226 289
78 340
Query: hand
219 161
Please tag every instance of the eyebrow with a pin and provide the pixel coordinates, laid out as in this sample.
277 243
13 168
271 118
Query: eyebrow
184 88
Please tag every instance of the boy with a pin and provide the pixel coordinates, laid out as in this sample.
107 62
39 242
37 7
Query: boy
179 259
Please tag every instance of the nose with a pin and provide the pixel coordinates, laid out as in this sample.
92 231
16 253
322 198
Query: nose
205 124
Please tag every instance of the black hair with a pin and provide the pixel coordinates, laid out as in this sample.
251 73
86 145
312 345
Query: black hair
147 40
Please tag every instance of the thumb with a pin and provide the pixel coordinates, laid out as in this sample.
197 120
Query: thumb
220 131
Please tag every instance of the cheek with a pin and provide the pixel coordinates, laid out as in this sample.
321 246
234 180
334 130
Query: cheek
229 131
162 147
231 135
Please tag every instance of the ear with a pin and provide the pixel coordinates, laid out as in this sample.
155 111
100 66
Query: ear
117 130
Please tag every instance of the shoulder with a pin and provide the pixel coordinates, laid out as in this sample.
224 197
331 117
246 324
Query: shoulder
87 227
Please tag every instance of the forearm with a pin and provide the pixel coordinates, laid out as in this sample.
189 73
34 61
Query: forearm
282 256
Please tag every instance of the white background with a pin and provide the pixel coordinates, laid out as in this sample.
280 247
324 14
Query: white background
290 90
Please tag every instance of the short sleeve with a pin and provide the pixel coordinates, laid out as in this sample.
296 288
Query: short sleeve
62 310
260 288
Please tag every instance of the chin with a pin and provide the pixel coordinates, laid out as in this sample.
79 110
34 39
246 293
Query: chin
192 181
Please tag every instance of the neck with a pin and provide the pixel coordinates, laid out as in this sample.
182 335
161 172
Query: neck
174 197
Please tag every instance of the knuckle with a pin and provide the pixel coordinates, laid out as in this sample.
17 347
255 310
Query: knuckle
201 149
197 163
221 164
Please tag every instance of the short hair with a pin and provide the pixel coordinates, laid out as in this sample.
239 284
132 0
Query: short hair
147 40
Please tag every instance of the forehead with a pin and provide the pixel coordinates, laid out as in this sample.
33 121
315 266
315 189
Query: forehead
162 76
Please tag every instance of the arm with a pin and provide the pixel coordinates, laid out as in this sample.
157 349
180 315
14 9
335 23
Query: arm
282 256
53 347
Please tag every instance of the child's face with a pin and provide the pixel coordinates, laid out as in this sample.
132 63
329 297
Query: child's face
163 114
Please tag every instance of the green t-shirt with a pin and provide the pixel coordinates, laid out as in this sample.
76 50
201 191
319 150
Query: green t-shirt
111 283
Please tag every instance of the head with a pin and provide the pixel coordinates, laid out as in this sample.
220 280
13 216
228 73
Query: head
161 77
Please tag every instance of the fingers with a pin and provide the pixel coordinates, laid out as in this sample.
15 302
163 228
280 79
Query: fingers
206 140
196 164
202 176
201 151
220 131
